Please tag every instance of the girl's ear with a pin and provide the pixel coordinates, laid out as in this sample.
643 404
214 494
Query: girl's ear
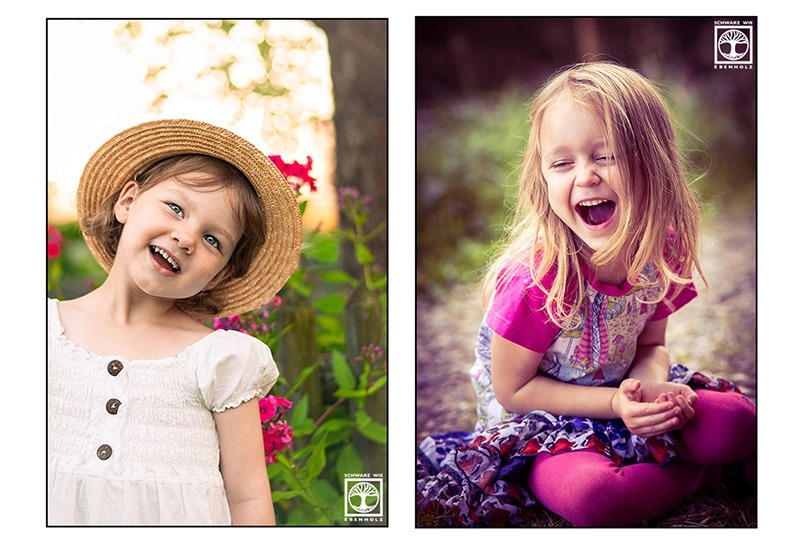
125 200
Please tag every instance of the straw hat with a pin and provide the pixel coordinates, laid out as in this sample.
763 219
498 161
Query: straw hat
119 159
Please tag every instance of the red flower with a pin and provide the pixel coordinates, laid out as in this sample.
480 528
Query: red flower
273 407
298 175
277 436
55 241
277 433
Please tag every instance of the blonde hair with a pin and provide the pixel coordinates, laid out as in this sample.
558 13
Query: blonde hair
637 128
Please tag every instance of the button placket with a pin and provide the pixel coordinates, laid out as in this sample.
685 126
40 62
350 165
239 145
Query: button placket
111 425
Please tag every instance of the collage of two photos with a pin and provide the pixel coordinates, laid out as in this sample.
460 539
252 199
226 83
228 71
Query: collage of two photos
219 290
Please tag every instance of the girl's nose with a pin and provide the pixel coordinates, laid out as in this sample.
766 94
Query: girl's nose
184 240
587 176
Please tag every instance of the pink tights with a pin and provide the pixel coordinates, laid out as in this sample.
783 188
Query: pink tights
588 489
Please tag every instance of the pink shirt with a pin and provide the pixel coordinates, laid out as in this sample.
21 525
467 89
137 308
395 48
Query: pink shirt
599 351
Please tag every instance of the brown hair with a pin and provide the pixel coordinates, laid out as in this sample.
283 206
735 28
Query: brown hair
637 127
209 173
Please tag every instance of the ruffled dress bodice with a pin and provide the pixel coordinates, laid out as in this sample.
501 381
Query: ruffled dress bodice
134 441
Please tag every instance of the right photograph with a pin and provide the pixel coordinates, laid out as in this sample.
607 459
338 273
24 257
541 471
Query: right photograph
586 272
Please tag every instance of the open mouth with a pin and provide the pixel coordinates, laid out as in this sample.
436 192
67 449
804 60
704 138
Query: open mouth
164 259
595 212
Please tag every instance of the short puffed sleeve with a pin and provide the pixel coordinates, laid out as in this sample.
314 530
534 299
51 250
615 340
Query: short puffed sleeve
517 311
233 368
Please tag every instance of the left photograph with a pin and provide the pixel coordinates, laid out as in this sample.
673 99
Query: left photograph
217 272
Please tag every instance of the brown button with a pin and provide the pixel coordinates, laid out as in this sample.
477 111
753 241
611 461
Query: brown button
114 367
104 452
112 406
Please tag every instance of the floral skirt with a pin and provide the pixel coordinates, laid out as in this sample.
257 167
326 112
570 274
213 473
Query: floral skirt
478 478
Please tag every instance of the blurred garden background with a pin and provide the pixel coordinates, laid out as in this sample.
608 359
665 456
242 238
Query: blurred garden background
474 80
313 96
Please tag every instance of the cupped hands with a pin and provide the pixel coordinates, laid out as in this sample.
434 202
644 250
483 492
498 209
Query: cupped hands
649 409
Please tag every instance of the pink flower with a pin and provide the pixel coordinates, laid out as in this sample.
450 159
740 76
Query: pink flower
370 353
253 322
273 406
277 436
277 433
298 175
55 241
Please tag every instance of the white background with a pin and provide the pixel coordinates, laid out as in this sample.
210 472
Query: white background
781 173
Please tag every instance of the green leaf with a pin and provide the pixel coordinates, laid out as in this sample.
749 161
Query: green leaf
337 276
348 461
379 383
377 284
345 393
277 496
298 413
304 375
363 254
337 429
369 428
323 250
374 431
333 304
305 427
318 458
344 376
324 492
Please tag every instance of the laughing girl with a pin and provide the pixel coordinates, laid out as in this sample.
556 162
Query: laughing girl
579 407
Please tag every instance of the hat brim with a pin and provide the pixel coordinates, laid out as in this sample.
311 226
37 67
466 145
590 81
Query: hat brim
120 158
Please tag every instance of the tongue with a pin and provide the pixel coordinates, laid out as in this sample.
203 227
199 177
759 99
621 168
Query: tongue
600 213
162 261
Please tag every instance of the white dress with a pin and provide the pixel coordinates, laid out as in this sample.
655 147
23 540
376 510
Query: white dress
134 442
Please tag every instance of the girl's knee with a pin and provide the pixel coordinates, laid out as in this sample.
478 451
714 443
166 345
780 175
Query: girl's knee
724 428
731 411
577 486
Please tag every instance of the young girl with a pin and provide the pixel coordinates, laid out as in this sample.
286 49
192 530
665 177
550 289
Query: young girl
579 407
153 417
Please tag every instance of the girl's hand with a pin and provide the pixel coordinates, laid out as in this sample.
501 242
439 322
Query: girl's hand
681 395
667 391
648 418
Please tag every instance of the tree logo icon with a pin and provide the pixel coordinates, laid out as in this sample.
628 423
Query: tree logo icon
733 45
363 497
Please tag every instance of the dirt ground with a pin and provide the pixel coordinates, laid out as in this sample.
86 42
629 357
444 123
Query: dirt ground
716 332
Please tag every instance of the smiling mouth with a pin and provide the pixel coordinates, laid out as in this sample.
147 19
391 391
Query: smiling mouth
596 212
164 259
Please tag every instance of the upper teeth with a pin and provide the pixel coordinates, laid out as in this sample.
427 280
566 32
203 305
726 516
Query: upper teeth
167 257
595 202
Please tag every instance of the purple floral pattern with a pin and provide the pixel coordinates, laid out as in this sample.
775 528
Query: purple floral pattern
476 478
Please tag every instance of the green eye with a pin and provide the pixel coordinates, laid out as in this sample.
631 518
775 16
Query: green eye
212 241
176 208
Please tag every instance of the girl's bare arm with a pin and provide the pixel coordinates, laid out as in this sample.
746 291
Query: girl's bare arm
521 389
243 465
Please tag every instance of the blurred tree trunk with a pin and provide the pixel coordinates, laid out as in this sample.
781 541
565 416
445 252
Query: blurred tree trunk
358 53
297 349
